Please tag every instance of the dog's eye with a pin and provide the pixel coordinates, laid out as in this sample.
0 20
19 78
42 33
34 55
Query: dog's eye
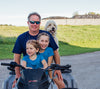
49 24
54 25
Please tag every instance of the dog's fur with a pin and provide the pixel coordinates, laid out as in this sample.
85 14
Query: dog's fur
51 27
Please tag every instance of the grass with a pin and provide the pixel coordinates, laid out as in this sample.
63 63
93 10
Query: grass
67 49
12 31
72 39
6 51
78 39
84 36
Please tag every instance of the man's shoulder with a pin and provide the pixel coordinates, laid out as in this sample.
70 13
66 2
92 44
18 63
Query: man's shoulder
23 35
40 31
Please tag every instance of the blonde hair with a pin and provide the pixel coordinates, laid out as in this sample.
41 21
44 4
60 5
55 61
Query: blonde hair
34 43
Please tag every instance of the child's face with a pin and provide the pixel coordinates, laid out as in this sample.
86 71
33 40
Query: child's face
30 49
44 42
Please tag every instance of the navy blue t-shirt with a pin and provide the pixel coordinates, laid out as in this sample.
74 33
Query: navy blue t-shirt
20 45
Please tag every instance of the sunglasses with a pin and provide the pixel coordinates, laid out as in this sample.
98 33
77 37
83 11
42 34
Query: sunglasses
33 22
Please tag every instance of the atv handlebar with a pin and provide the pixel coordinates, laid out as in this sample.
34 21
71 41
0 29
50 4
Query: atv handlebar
5 64
12 65
59 67
63 68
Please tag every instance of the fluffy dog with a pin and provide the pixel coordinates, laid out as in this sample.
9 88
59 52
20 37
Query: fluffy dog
51 27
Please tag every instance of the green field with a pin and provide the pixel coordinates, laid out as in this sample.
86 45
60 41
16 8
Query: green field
72 39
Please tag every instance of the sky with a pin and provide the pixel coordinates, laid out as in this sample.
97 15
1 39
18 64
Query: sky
15 12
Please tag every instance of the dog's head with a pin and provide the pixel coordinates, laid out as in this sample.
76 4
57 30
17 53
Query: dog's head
51 27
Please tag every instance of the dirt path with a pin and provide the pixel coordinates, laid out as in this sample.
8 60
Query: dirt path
85 69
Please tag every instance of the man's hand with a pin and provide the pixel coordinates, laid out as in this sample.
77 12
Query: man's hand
15 81
58 72
17 69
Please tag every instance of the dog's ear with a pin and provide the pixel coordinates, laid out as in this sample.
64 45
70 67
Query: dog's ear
45 28
46 25
50 22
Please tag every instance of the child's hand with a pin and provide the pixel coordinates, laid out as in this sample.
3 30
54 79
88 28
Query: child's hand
28 68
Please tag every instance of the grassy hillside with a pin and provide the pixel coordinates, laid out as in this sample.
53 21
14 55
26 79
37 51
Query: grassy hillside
78 39
72 39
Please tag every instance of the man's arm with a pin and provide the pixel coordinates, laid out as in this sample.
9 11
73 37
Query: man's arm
17 60
57 61
17 69
56 57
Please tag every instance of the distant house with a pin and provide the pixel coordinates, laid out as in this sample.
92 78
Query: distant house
86 16
75 20
58 19
55 17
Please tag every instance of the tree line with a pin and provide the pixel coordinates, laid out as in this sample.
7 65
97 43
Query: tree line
6 25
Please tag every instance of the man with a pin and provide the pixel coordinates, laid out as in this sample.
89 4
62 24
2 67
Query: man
34 20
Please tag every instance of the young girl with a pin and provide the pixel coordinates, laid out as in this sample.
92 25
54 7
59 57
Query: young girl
47 52
33 60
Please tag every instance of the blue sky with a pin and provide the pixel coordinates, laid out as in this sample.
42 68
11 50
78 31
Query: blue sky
15 12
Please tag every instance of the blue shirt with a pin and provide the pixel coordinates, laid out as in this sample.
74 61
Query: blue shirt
20 45
47 53
34 64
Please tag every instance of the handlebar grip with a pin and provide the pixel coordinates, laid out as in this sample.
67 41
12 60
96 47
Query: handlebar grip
5 64
66 66
12 65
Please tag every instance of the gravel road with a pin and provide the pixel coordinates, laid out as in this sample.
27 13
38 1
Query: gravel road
85 69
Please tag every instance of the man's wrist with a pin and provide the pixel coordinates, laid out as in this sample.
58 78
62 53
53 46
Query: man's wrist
18 75
16 79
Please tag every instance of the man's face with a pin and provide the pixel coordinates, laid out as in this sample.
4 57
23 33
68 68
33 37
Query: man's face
34 27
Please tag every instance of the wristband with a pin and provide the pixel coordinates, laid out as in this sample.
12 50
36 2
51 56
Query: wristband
16 79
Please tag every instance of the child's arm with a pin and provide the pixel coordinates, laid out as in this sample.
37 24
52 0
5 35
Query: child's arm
24 64
45 65
50 60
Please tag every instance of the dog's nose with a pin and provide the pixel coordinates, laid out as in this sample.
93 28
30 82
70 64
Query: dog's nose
53 29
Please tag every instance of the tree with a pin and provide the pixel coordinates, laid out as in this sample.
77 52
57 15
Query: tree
91 13
75 13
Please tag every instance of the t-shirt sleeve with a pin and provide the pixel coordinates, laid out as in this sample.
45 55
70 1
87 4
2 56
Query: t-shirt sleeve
42 58
24 58
50 51
52 43
17 47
